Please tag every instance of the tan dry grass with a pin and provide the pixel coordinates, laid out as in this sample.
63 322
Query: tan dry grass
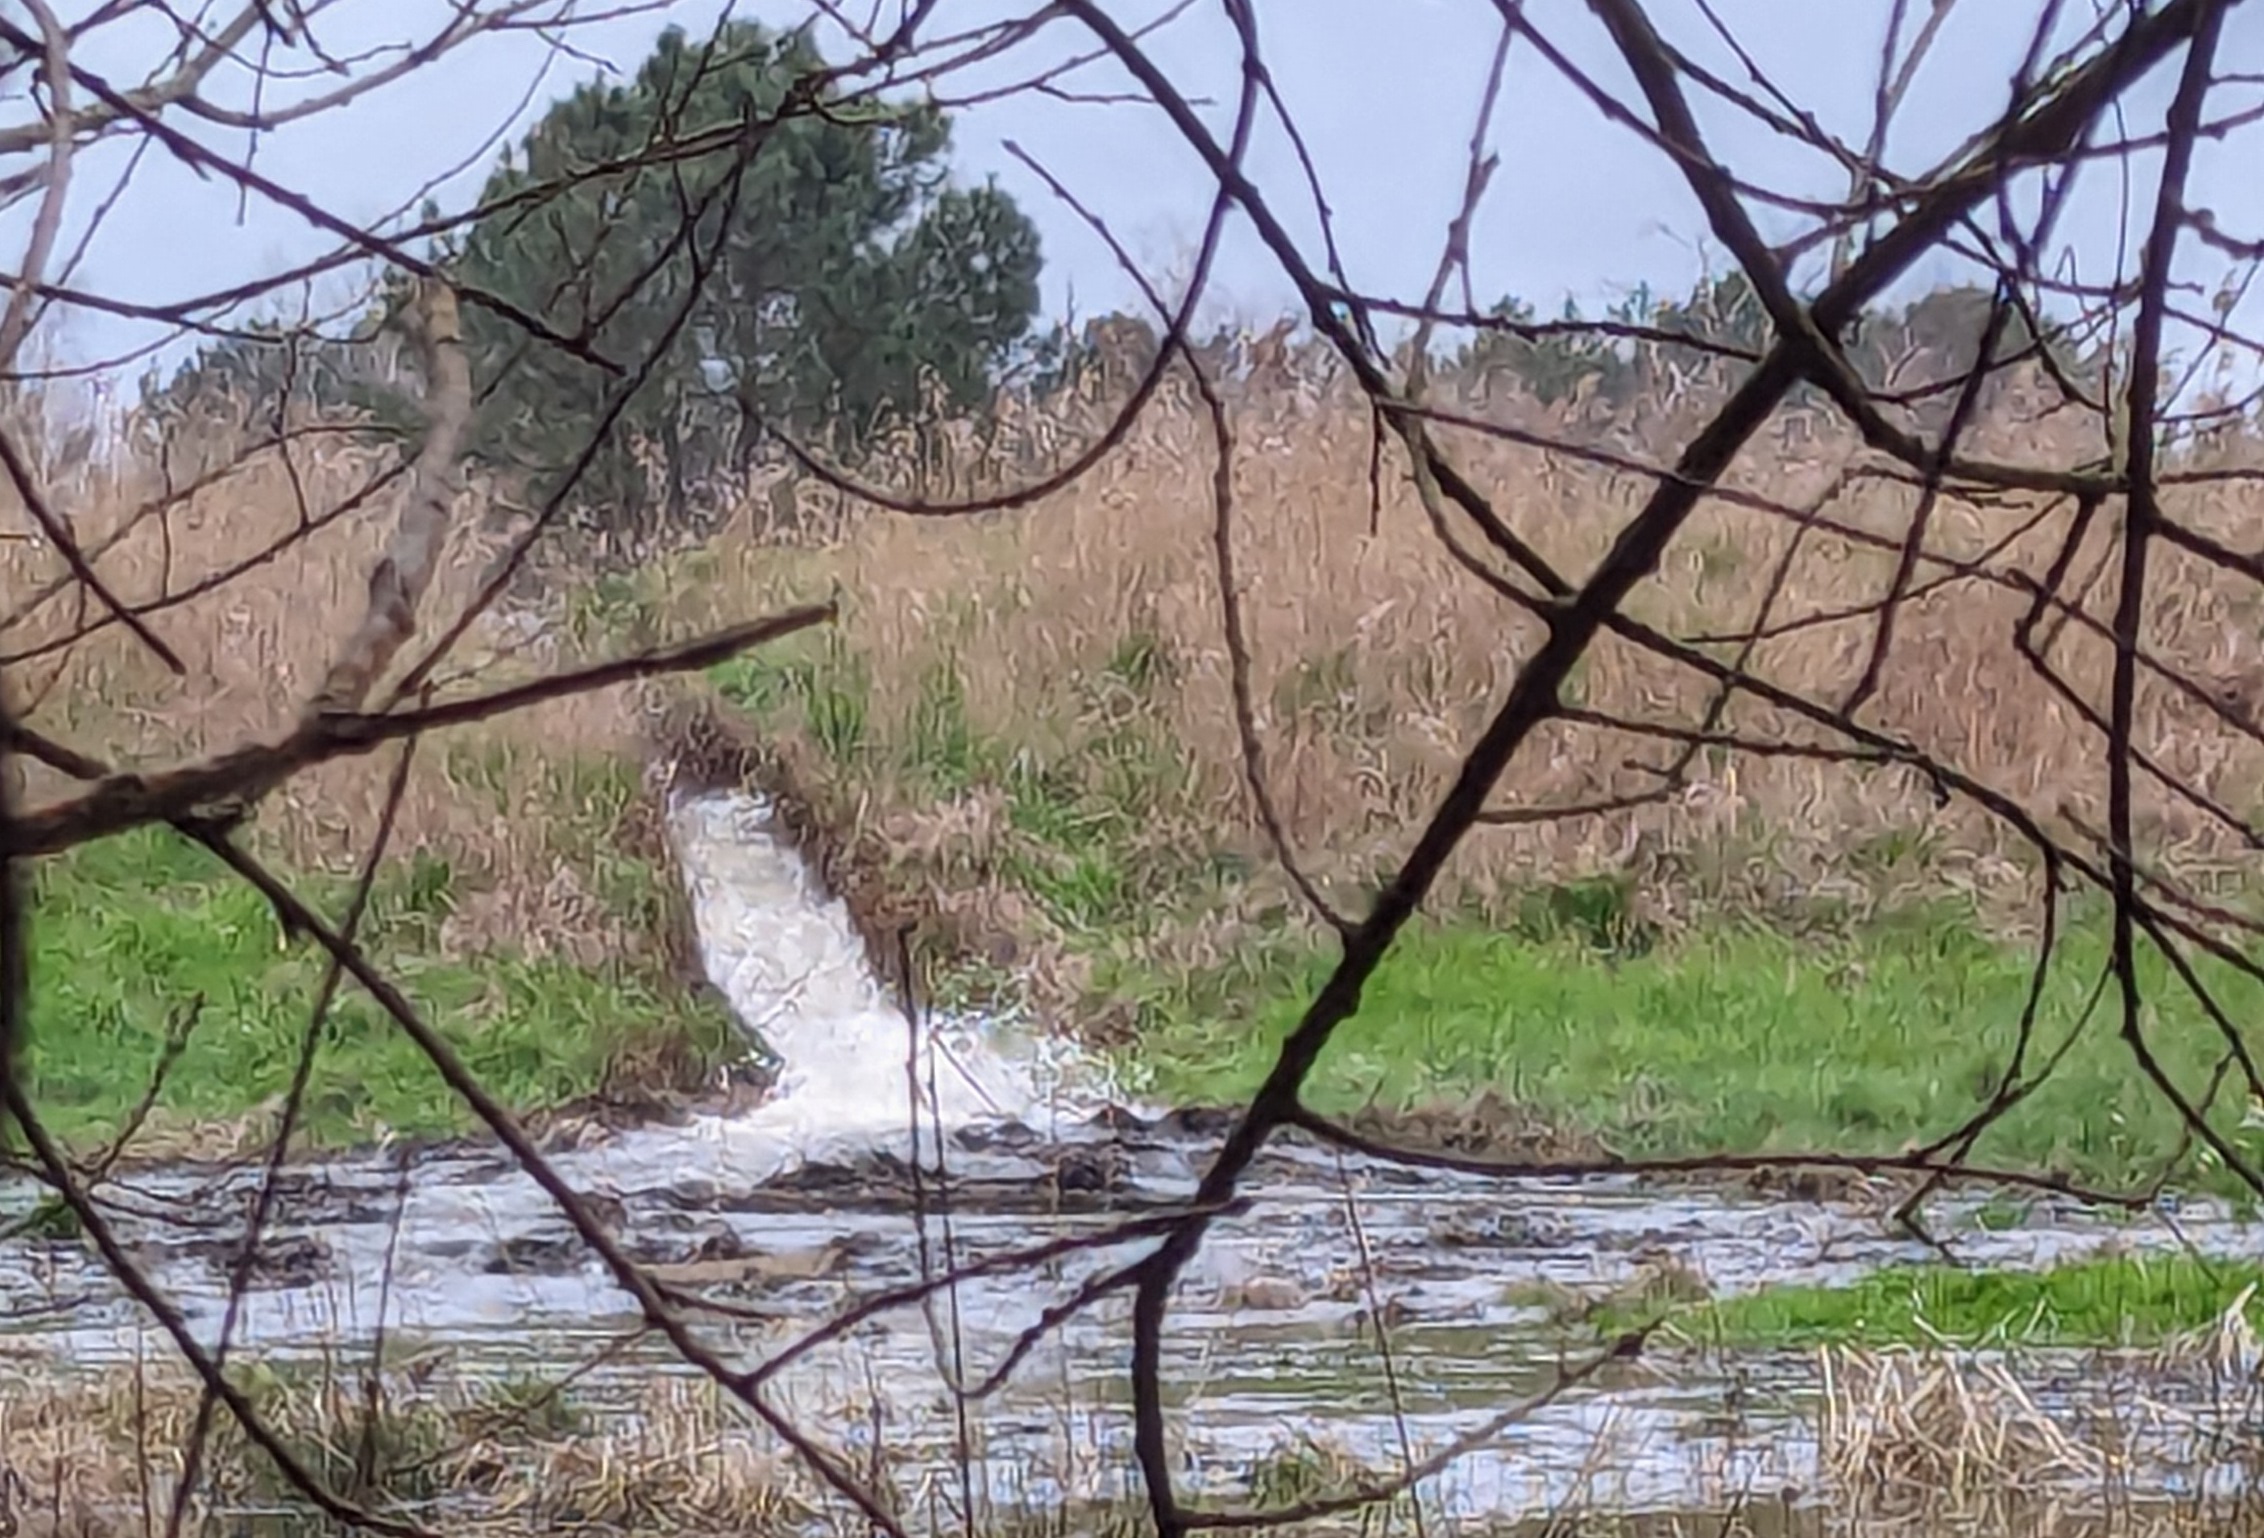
1376 660
514 805
1911 1430
87 1456
1917 1434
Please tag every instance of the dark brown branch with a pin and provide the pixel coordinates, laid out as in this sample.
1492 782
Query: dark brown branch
2044 128
1341 1136
223 785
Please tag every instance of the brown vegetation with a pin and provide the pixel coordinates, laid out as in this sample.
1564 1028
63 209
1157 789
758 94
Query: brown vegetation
96 1457
256 610
1084 635
1079 643
1940 1435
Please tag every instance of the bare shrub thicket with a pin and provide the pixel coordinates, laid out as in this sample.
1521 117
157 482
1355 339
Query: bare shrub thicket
1409 615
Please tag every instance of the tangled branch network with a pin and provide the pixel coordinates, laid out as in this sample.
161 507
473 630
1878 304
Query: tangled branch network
2055 473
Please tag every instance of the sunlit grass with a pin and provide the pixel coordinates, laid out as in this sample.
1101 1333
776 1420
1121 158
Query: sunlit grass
1734 1038
2117 1301
129 932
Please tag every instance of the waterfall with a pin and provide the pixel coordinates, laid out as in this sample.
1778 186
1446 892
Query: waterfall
792 967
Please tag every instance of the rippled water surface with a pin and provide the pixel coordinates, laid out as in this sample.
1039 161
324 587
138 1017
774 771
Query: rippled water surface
801 1207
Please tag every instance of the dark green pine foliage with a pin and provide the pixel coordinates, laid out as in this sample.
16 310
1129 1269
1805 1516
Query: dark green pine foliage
848 284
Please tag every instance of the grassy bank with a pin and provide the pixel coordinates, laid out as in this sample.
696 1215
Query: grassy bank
1732 985
1729 1037
1020 737
150 959
2115 1301
1876 1009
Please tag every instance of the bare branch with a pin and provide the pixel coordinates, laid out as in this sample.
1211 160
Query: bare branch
221 789
62 126
397 584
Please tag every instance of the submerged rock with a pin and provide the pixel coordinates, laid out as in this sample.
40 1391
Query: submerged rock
281 1260
1264 1294
1496 1229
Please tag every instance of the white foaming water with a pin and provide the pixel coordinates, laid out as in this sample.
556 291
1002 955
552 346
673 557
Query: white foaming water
793 968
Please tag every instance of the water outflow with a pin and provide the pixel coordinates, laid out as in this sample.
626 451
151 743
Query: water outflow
793 969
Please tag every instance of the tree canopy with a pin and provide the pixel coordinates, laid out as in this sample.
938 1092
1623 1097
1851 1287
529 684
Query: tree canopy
1929 342
815 271
846 281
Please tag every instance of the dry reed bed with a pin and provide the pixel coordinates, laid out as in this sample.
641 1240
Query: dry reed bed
94 1457
1928 1440
1919 1435
1375 658
254 607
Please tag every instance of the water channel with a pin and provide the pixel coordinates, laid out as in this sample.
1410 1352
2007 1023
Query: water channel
797 1209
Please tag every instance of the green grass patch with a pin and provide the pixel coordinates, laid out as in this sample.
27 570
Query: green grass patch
1092 800
128 931
2117 1301
1731 1039
1858 1036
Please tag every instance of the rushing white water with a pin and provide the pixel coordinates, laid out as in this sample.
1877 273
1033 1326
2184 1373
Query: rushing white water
793 968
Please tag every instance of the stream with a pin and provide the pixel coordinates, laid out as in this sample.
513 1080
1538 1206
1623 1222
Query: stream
797 1209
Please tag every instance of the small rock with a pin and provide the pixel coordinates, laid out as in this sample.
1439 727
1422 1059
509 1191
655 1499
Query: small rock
1264 1294
721 1242
1116 1118
1816 1186
745 1268
711 1240
1198 1122
1394 1313
544 1254
1498 1230
1084 1170
282 1260
692 1195
1006 1134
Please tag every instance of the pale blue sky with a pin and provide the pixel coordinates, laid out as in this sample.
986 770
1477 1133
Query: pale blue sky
1386 92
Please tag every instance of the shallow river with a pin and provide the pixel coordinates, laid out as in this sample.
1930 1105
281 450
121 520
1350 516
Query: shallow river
796 1210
